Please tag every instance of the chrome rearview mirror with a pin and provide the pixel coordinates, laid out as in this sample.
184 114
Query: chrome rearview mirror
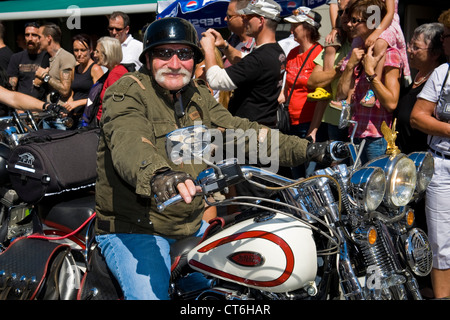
192 145
345 119
344 122
189 144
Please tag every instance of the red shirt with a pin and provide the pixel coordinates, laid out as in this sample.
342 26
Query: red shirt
114 75
300 110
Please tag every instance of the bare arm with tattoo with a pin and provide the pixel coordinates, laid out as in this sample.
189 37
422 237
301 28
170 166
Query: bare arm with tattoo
63 86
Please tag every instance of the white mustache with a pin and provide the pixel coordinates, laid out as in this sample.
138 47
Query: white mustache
160 74
181 71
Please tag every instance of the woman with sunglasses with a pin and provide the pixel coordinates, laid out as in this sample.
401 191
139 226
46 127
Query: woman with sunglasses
425 52
387 33
359 75
431 115
109 54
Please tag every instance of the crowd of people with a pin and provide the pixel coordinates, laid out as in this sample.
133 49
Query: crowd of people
366 67
50 73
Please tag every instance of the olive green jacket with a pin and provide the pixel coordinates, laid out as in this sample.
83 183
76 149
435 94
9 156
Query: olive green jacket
137 115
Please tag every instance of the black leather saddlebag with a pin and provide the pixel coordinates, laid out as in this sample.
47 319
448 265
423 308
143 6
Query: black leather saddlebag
98 282
37 269
51 161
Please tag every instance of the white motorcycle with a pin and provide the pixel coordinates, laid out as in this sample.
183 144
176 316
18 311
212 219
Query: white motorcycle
346 225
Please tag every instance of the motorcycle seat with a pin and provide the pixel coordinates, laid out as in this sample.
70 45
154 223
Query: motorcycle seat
178 255
67 215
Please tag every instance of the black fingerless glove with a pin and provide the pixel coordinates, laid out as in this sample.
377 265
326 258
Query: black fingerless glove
319 152
327 152
164 184
54 107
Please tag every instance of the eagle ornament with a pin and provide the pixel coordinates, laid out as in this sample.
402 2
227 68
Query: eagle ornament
390 135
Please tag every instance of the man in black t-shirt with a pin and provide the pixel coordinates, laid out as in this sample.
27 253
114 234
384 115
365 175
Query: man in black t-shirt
5 51
257 78
23 65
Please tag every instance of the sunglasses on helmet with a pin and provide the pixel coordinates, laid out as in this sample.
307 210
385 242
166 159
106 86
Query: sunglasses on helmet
166 54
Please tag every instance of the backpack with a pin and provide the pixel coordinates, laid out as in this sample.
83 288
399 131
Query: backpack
89 119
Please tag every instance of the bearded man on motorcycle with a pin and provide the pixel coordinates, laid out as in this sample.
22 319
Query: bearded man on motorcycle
134 172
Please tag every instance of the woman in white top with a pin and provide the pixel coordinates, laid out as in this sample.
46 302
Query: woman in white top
431 114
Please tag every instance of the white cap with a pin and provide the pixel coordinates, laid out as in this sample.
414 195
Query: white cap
305 14
265 8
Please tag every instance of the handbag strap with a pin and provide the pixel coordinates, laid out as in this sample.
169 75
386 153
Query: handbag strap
301 68
445 80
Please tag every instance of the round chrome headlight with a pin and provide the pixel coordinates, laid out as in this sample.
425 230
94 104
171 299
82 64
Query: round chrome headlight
367 186
424 163
401 182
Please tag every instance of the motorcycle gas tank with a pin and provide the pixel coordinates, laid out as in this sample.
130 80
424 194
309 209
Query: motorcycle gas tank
272 252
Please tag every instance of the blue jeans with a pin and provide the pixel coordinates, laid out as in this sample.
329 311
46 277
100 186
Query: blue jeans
54 124
140 263
373 148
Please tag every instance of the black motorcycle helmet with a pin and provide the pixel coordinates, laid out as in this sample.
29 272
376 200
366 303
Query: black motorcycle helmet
171 30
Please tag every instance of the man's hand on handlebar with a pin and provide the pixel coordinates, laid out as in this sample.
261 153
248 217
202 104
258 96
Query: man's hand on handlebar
326 152
54 107
168 183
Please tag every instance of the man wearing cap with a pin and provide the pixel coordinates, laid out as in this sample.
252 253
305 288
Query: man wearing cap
238 39
257 78
135 172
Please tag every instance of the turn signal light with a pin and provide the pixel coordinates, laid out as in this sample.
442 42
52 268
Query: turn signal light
410 217
372 236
